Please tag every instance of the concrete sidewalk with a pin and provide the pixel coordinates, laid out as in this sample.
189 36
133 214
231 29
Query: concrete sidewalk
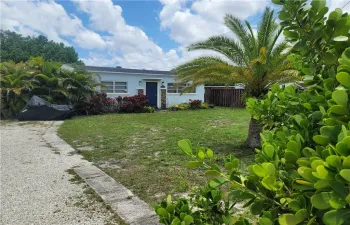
35 187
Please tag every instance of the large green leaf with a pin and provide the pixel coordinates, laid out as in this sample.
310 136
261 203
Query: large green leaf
306 173
269 150
265 221
269 168
338 110
344 79
322 184
321 140
188 220
318 5
162 212
212 173
256 208
342 149
210 154
336 217
321 200
337 202
345 173
346 162
302 214
340 97
185 146
193 164
330 58
269 183
259 171
291 34
288 219
334 161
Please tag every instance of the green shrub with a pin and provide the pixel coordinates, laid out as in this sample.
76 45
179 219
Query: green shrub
182 106
301 174
193 104
204 106
149 109
19 82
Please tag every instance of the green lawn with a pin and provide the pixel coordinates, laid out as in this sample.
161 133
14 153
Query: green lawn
140 150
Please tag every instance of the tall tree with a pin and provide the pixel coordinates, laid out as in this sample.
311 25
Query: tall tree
17 48
256 60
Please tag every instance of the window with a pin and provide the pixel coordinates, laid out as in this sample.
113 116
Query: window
108 87
178 88
114 87
120 87
171 88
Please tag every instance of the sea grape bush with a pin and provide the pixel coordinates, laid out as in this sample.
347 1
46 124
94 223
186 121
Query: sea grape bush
301 173
290 182
318 41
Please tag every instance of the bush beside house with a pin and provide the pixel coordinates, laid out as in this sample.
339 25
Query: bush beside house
20 81
99 103
192 104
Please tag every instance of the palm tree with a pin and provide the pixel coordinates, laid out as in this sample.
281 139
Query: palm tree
255 60
19 82
15 86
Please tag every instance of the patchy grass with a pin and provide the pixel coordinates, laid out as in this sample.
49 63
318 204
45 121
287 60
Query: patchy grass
93 202
140 150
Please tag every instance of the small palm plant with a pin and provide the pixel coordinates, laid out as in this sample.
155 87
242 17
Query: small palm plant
255 60
45 79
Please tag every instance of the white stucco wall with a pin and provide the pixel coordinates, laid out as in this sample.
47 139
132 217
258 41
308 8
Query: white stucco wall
133 83
173 99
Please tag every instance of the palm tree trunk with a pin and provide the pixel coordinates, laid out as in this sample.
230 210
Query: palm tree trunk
253 140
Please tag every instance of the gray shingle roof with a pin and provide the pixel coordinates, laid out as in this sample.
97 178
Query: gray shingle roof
121 70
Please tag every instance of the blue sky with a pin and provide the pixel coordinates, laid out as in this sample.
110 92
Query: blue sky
132 34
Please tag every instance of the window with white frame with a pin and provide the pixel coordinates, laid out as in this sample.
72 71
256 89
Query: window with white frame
114 87
108 87
178 88
120 87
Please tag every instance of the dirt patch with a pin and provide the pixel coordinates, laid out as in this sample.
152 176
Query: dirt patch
220 123
86 148
92 202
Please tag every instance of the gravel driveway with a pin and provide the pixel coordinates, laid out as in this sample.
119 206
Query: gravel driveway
35 187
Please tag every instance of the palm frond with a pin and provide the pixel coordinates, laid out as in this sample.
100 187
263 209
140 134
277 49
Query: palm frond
224 45
237 27
266 29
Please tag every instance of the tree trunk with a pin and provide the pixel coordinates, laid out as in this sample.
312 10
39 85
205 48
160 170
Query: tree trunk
253 140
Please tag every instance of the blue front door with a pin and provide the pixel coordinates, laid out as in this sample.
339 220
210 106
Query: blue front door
151 93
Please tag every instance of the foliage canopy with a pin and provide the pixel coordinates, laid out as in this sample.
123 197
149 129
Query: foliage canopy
254 60
15 47
20 81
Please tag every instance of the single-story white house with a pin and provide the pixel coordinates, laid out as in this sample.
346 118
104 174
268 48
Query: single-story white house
158 86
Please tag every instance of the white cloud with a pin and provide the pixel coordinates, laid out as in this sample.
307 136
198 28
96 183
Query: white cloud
122 44
48 18
214 10
137 49
190 23
204 18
